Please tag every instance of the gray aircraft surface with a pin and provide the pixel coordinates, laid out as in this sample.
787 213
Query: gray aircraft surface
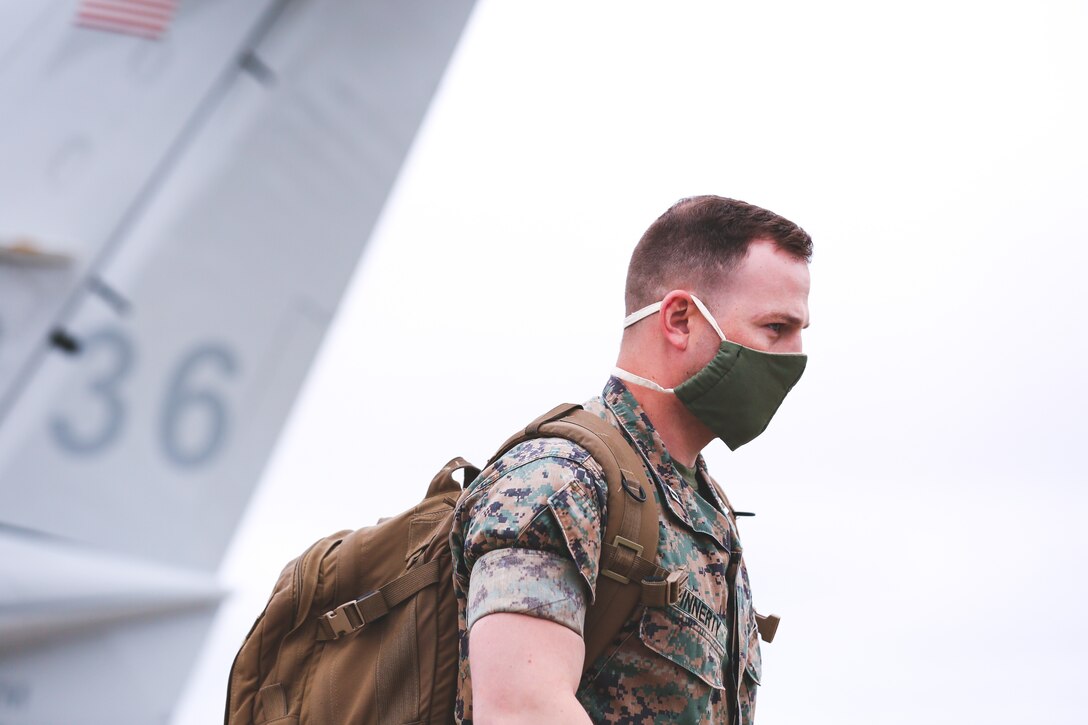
185 189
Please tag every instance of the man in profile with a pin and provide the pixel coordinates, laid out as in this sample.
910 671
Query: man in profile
716 298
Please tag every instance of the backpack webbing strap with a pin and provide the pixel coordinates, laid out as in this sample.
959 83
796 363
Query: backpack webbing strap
631 526
767 624
357 613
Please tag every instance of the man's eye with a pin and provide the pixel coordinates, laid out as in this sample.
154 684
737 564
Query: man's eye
775 327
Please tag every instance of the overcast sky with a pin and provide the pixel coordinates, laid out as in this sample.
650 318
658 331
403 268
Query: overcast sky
920 494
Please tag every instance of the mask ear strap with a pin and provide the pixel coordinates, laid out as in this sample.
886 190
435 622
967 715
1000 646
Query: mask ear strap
641 314
622 374
639 380
709 317
644 313
651 309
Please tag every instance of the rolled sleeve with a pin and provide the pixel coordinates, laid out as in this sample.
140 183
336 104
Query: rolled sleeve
549 495
526 581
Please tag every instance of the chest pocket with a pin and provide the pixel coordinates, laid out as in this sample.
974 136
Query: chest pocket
688 636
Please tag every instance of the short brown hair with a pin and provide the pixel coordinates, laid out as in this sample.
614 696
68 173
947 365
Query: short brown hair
700 237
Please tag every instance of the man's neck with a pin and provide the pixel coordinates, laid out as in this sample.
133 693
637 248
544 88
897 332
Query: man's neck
683 435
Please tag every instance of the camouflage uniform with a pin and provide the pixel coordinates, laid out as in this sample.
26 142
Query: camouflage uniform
528 531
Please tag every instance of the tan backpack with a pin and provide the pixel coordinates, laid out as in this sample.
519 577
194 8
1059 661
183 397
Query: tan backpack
362 628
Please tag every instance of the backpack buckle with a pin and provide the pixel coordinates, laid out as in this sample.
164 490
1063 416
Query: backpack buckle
354 615
674 585
345 619
768 626
665 591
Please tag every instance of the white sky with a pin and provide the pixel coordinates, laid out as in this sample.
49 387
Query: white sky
920 494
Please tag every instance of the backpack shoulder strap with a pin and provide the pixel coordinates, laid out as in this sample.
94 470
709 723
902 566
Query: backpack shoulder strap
628 573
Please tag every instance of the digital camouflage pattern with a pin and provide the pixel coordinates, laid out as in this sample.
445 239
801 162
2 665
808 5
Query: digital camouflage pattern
543 506
527 582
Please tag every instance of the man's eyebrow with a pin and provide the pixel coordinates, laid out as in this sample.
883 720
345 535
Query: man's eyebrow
787 318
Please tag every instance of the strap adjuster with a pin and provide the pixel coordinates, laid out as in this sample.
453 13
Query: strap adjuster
636 551
664 592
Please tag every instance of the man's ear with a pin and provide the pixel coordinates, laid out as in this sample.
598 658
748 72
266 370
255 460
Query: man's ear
677 310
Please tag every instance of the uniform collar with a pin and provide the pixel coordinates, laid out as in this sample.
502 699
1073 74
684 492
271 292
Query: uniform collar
682 499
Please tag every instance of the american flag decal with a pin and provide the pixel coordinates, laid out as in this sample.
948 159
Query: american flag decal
147 18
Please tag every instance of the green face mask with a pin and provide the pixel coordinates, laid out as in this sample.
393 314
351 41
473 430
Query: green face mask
739 390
